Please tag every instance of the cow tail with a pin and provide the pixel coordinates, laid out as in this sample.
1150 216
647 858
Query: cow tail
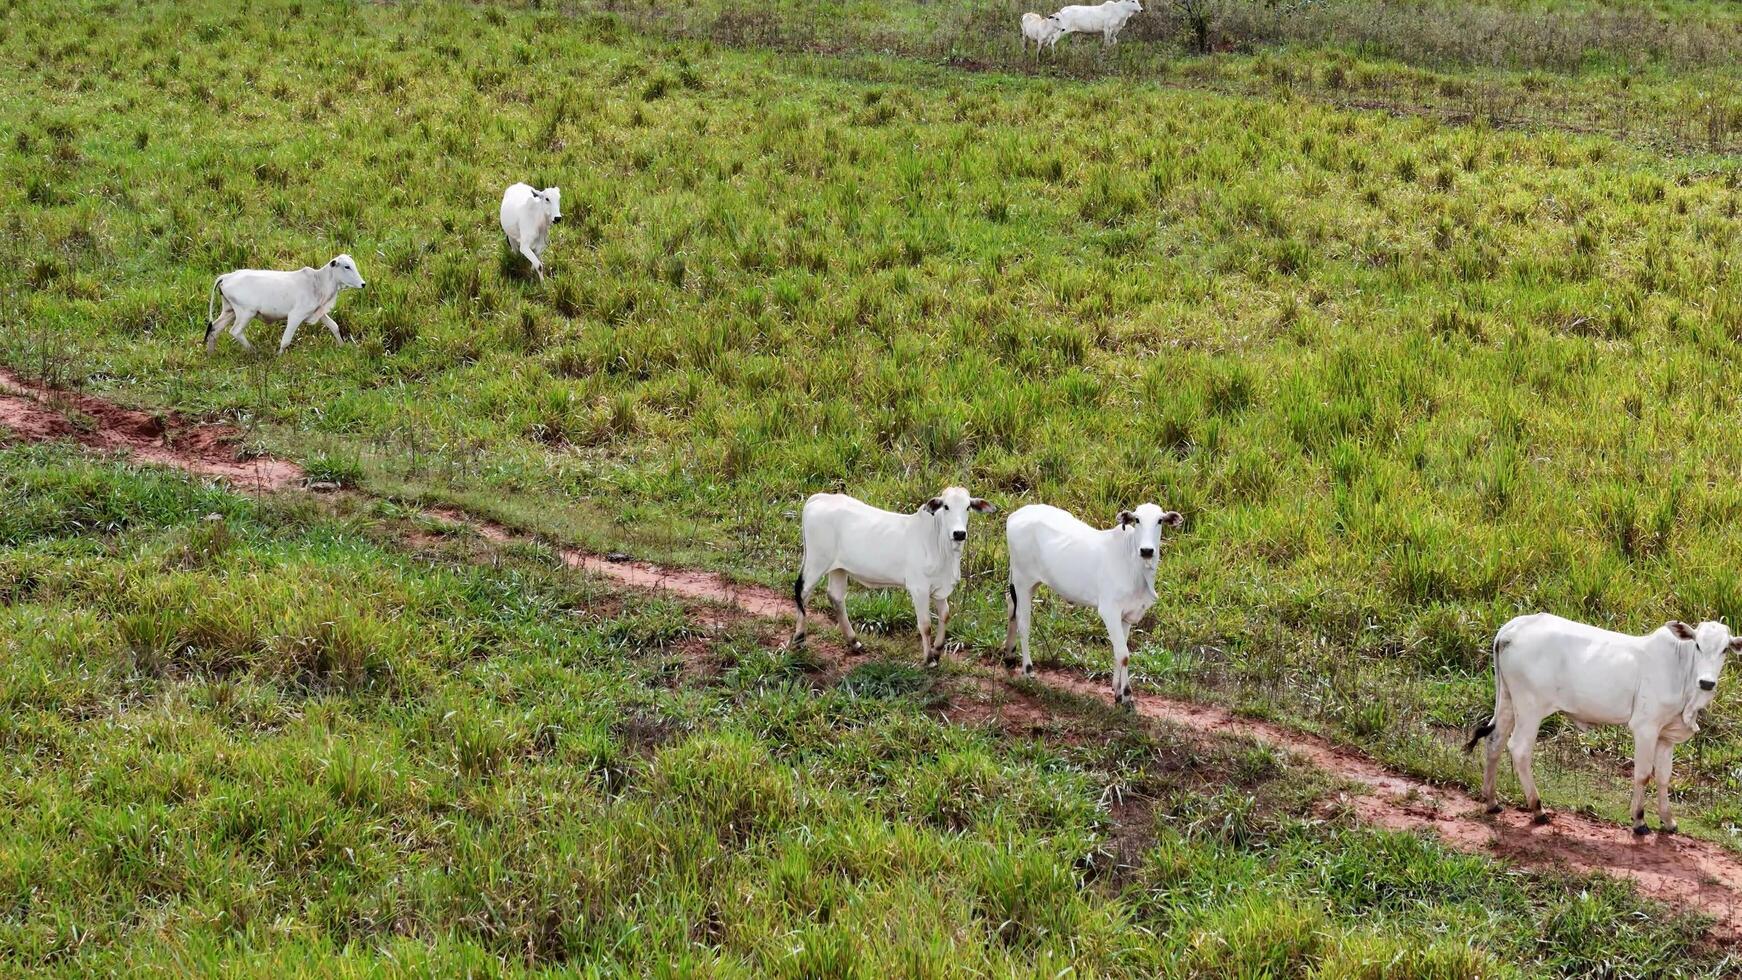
1486 728
211 302
798 592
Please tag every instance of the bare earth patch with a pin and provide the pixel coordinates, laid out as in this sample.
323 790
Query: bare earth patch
34 413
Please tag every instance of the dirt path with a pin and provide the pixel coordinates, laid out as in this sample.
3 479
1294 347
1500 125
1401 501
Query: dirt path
36 413
1690 873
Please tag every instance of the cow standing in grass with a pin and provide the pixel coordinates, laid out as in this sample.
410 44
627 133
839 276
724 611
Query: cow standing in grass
1111 571
1655 684
1043 31
295 298
921 552
1106 19
527 214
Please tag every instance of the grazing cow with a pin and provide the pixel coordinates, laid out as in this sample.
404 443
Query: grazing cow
299 297
1106 19
1112 571
1655 684
527 214
1042 31
921 552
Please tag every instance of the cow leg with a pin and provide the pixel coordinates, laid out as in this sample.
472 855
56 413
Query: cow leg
1114 619
838 596
537 266
1522 744
1019 605
1644 760
922 615
240 319
1665 752
328 320
291 322
943 610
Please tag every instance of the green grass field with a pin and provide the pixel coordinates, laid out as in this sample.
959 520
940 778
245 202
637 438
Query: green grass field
250 736
1407 374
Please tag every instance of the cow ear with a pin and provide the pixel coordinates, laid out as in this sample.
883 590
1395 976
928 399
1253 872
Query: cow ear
1735 644
982 505
1173 518
1126 518
1681 630
932 506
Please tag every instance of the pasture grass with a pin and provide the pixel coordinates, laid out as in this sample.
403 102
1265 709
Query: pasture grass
1405 379
524 771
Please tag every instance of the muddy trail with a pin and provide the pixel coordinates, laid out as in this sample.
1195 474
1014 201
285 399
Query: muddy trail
1683 871
36 413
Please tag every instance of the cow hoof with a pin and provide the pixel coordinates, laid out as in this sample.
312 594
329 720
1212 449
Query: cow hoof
855 647
1640 830
1668 828
1127 705
798 641
931 659
1539 818
1494 808
1026 670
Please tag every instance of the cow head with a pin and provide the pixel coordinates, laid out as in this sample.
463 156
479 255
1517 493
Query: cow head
1134 6
950 510
1145 522
345 271
1703 650
552 199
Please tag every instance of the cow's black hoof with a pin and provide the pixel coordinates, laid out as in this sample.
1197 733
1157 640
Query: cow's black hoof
1539 818
1640 830
1494 808
1026 671
855 647
798 641
1668 828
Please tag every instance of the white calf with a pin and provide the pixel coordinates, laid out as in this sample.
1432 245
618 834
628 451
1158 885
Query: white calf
921 552
299 297
1112 571
1106 19
1655 684
527 214
1042 31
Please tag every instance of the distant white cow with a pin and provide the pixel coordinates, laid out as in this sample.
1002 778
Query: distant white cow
299 297
1655 684
1043 31
1111 571
1106 19
921 552
527 214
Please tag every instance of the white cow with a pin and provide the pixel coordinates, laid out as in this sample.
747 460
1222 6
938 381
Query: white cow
921 552
1106 19
1043 31
1655 684
296 298
527 214
1111 571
